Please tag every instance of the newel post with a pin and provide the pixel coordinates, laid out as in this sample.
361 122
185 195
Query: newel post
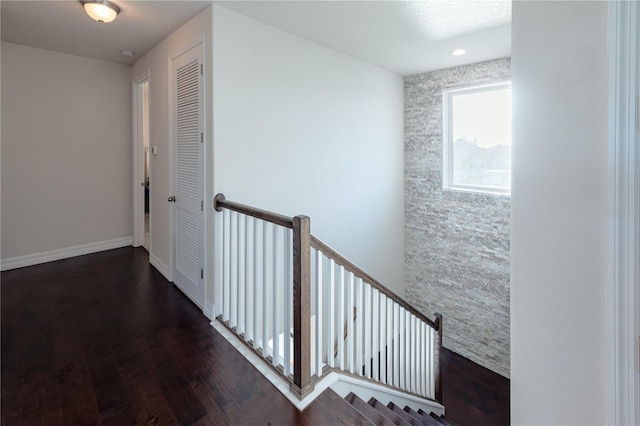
438 363
302 385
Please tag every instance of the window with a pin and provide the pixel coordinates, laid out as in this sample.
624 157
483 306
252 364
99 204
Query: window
477 139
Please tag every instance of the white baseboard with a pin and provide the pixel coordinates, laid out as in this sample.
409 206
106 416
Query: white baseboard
365 390
261 365
208 310
63 253
160 266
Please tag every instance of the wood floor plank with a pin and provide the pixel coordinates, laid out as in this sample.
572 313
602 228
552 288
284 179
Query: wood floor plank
212 393
146 399
10 396
185 404
207 421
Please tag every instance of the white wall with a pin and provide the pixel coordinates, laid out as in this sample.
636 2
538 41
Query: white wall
558 213
301 129
157 60
66 152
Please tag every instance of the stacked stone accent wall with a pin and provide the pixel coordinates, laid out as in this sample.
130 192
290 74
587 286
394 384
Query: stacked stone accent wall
457 244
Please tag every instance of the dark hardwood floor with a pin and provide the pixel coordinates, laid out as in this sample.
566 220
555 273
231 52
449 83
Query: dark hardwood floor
105 339
473 395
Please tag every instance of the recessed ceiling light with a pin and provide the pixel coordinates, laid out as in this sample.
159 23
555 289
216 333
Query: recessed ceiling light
458 52
127 53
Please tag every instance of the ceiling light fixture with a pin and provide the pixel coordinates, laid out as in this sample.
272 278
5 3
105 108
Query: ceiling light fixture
102 11
458 52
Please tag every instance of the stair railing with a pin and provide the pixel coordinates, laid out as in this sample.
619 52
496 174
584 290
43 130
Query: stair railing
389 342
307 310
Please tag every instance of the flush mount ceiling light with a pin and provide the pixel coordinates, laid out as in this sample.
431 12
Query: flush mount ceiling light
458 52
102 11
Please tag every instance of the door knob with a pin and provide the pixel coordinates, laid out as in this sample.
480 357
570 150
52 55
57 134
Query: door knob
172 199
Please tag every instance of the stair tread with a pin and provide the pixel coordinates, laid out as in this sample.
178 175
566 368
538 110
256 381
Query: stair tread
388 413
405 416
368 411
425 420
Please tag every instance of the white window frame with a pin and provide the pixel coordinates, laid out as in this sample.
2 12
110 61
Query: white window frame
447 135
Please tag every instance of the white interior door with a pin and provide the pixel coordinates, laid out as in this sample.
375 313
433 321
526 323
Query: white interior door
188 171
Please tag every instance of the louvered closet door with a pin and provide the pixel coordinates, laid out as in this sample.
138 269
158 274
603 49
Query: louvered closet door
189 174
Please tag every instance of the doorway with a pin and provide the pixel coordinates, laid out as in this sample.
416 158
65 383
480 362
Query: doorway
141 163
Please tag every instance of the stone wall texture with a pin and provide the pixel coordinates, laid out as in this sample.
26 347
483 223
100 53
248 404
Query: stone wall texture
457 244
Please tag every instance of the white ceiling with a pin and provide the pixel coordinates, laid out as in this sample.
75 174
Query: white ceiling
406 37
63 26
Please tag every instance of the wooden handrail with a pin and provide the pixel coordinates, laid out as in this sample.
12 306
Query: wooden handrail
220 202
318 244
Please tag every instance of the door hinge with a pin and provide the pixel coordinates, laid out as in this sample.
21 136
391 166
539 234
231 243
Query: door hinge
201 137
201 206
201 273
201 69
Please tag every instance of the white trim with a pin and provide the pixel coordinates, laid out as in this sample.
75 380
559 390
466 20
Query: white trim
208 310
447 136
63 253
340 383
366 390
137 158
623 290
160 266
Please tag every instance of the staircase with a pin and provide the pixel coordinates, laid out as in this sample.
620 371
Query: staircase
310 319
391 414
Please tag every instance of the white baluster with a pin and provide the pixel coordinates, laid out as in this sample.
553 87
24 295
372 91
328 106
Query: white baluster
367 330
383 338
407 352
375 317
241 273
332 323
267 264
226 292
413 355
359 329
396 345
419 357
258 282
319 312
407 355
425 359
219 265
350 319
248 278
389 369
432 381
403 348
288 308
277 292
233 316
341 315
